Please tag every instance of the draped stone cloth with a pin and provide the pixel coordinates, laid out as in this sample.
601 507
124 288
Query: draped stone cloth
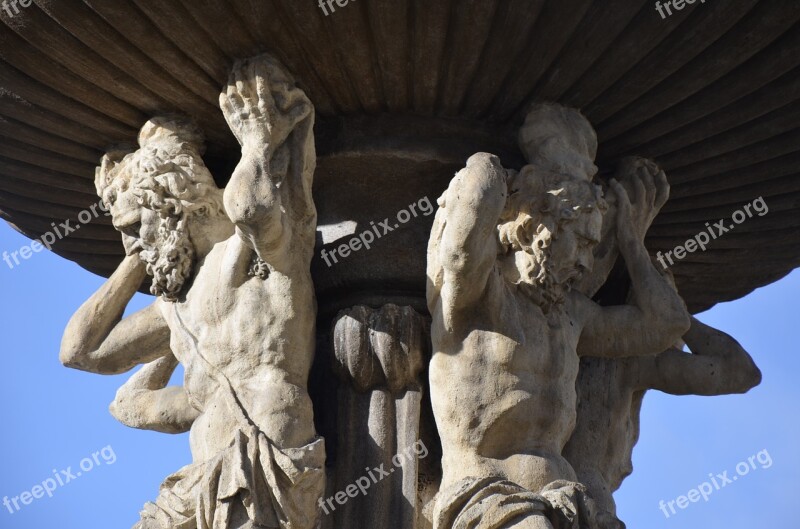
278 488
495 503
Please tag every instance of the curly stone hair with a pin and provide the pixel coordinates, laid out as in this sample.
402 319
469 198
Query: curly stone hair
166 175
543 202
167 171
538 207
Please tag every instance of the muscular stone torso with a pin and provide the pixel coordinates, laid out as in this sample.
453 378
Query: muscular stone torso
254 333
607 426
504 384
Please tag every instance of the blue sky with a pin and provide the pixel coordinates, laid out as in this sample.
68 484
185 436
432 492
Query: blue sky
55 419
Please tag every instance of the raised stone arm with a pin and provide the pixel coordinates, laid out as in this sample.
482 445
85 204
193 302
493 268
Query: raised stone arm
145 401
656 319
269 195
634 173
96 340
461 257
717 365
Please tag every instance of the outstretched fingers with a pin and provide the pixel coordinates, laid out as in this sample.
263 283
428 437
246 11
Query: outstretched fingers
240 83
263 89
232 108
646 178
623 200
233 100
640 191
261 104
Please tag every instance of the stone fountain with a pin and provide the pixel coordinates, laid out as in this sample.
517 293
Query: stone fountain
380 103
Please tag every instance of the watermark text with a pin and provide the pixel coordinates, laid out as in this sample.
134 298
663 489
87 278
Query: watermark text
713 231
717 482
375 475
58 232
376 231
60 478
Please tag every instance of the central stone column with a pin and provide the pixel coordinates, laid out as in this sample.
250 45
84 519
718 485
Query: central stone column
379 355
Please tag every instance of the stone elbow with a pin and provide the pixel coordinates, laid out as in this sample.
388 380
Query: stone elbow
71 358
113 409
241 210
750 377
678 321
683 321
253 217
757 377
119 409
251 205
484 159
89 361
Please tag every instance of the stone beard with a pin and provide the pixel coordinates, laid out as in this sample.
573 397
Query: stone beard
529 227
167 179
170 260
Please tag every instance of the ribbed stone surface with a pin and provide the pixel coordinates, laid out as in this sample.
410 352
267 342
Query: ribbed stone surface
711 92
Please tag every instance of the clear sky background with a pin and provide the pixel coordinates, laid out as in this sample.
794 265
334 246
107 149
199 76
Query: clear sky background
51 418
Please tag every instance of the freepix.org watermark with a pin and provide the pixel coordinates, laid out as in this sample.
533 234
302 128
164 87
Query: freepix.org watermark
376 231
375 475
329 3
669 4
718 481
58 232
60 478
8 5
713 231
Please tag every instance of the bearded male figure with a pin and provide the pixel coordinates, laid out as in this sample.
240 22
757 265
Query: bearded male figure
236 307
508 331
611 390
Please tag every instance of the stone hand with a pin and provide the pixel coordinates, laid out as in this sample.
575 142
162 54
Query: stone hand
626 230
647 187
261 105
131 243
132 269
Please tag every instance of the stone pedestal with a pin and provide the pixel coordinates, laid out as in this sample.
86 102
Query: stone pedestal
379 355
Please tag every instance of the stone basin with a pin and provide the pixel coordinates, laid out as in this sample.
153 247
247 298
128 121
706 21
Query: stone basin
405 91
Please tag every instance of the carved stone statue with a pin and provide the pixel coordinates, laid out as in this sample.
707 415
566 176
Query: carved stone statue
508 331
236 307
611 390
610 394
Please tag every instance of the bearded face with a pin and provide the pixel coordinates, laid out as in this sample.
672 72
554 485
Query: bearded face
550 256
153 194
170 259
159 237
